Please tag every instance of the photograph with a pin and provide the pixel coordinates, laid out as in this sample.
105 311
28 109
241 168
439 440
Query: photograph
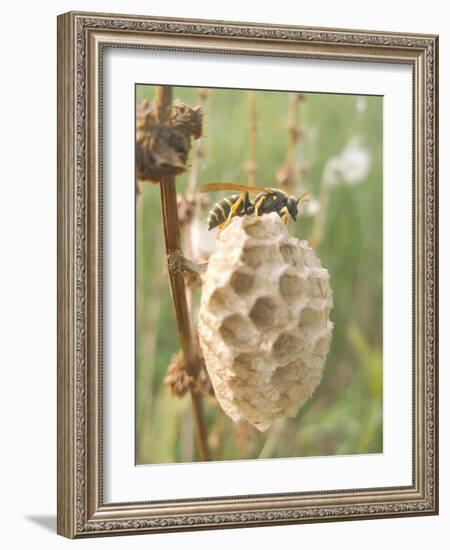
259 274
247 274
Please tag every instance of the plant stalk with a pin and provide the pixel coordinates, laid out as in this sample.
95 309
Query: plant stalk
172 241
292 127
251 165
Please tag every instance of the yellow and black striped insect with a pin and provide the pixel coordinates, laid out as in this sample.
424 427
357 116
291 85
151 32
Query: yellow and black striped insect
267 200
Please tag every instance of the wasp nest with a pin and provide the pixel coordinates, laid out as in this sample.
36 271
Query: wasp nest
264 320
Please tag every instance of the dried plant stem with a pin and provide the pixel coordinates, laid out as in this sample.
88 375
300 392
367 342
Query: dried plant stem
293 137
191 193
272 439
197 152
172 242
252 125
292 140
193 172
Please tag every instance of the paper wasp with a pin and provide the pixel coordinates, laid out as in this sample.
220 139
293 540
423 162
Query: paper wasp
267 200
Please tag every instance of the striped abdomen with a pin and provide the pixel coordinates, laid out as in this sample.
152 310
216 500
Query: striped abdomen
220 211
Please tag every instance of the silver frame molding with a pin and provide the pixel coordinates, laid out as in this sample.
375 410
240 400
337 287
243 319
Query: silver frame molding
81 39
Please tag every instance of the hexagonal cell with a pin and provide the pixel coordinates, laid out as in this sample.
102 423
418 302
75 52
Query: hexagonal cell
237 331
244 360
290 286
218 300
250 404
290 255
256 255
256 230
264 313
287 345
247 376
251 362
242 282
284 377
312 318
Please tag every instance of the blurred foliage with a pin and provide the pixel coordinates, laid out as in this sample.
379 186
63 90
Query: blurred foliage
345 414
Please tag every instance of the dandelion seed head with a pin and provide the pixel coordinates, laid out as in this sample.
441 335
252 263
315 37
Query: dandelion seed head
351 167
355 162
312 207
361 104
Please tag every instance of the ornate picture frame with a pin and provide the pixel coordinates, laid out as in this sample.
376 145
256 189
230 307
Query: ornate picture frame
82 39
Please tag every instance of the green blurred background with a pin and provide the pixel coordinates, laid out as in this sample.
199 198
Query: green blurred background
339 157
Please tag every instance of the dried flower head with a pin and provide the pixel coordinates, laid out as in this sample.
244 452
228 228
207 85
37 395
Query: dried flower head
179 381
162 148
187 118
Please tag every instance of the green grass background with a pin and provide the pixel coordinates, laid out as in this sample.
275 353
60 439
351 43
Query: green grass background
344 415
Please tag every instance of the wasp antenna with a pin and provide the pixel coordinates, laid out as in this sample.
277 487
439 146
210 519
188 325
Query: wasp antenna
302 197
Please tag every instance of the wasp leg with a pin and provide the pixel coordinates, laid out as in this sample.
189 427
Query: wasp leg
284 215
233 211
248 205
258 205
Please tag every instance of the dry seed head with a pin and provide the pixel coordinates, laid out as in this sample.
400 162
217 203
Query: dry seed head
179 381
162 148
264 323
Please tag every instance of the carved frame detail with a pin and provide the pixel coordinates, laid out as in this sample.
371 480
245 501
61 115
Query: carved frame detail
81 39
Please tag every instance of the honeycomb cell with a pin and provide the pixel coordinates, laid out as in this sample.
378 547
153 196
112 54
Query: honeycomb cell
218 300
256 231
242 282
287 346
290 254
291 287
237 331
285 376
312 318
256 255
264 313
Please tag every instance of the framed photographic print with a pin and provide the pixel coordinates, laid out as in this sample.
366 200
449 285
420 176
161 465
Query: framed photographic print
247 274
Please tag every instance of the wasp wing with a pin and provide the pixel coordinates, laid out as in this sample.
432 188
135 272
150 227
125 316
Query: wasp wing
229 186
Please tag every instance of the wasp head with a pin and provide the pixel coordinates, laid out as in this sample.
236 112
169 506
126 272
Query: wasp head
292 207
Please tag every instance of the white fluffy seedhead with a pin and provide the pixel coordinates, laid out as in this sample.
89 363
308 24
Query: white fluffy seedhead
264 320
